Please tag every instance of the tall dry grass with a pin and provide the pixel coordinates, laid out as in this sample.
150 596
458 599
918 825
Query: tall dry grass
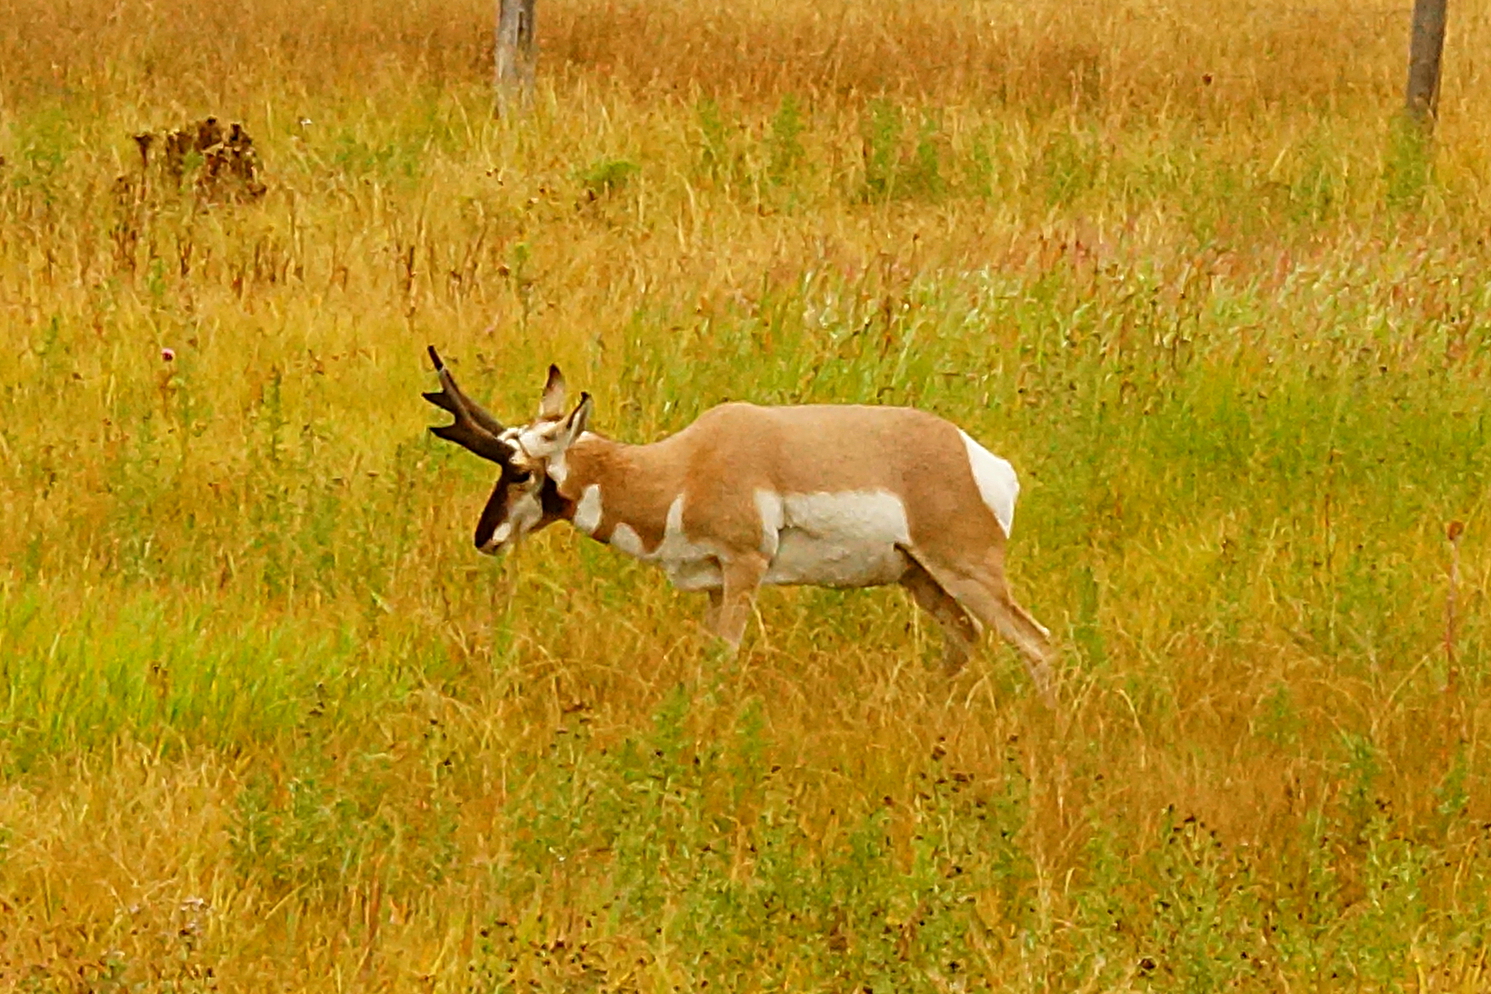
269 722
1209 61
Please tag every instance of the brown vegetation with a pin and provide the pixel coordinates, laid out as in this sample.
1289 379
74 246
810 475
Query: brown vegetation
267 722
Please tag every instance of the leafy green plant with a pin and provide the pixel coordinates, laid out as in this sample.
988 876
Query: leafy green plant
606 176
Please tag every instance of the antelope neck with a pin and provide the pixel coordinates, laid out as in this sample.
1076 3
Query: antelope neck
610 484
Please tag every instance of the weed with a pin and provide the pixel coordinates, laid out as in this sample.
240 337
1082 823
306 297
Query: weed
717 159
882 139
608 175
785 140
1408 168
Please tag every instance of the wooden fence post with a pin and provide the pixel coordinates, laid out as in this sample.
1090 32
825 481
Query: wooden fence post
1424 53
515 55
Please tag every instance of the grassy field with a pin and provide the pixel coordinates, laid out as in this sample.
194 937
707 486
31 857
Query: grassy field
267 721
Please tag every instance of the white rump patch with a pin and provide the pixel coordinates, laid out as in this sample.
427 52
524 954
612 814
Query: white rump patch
588 510
846 539
997 483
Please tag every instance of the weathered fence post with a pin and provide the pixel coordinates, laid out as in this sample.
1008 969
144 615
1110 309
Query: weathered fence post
1424 51
515 55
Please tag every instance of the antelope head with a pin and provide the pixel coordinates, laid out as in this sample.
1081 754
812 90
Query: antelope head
543 443
530 458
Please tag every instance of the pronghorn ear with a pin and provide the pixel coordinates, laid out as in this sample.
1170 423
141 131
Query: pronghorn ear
574 425
552 406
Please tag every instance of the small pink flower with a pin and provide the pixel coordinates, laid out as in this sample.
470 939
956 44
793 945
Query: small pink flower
166 355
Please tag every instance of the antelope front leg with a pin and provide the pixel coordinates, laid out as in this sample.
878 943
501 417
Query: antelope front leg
742 577
712 610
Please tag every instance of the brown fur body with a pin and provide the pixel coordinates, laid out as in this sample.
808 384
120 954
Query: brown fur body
828 495
952 559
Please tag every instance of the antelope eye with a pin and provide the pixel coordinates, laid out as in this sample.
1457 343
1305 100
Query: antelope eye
521 475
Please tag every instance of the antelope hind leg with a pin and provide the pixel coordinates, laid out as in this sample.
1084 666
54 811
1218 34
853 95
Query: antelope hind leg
959 632
988 599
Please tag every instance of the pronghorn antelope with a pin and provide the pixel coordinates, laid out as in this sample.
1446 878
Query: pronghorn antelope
825 495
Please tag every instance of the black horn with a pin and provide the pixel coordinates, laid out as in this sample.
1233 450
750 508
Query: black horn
474 429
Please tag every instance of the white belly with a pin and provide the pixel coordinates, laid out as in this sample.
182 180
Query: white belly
849 539
808 560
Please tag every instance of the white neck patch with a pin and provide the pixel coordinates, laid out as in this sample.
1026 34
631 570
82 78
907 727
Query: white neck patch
556 470
624 538
588 510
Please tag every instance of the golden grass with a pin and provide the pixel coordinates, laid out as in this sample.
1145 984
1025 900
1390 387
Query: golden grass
269 723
